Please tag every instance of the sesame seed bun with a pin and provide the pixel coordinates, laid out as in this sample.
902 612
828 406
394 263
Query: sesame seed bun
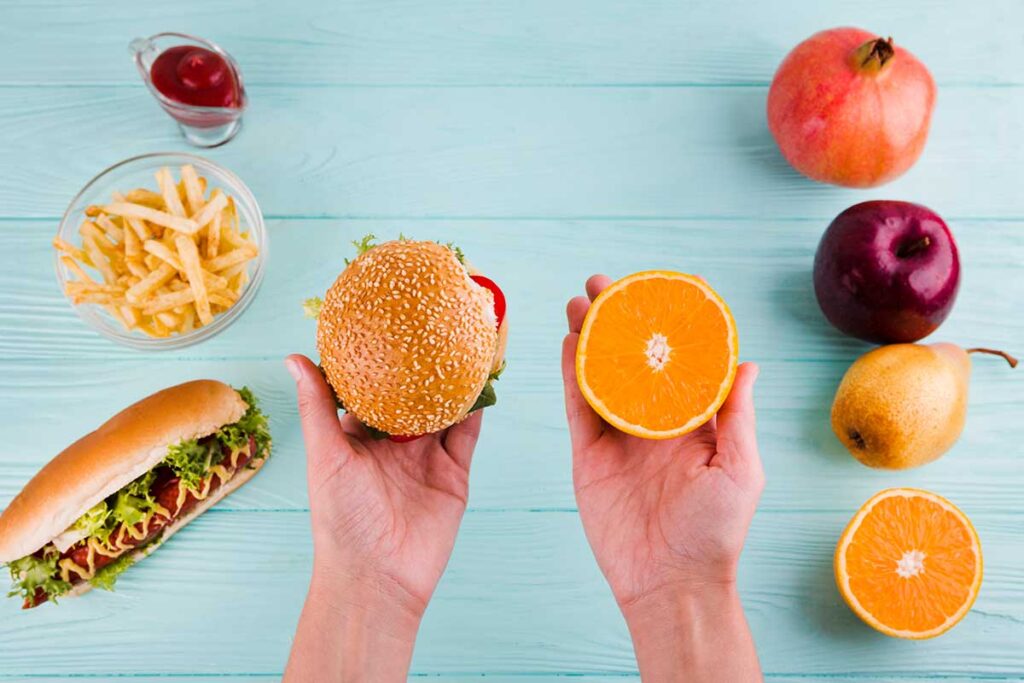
406 338
122 449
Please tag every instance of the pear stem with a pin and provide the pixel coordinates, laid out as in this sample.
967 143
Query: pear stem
995 352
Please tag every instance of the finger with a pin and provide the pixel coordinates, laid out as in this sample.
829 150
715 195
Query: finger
318 412
584 424
596 284
460 439
351 425
737 450
576 311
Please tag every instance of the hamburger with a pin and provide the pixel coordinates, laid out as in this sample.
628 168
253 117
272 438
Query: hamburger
118 493
411 337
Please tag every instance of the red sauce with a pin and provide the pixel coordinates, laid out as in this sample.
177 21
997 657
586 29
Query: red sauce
196 76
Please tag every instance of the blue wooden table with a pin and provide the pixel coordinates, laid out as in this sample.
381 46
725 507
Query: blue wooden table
550 139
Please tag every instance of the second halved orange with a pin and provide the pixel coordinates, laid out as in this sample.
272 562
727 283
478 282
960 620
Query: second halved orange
657 354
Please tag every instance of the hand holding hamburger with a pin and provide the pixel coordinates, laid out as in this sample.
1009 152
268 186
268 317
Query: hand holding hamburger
411 340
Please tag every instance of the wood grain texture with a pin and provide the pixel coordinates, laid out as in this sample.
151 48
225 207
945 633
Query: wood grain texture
520 596
506 152
468 43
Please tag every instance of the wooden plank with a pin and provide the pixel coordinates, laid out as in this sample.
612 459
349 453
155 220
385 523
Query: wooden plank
521 595
355 42
506 152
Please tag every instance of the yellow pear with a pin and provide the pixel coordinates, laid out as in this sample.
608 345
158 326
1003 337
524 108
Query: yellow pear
904 405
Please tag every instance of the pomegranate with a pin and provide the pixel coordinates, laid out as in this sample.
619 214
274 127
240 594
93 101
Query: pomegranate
850 108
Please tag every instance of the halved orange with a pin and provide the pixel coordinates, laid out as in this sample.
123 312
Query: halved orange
909 564
657 354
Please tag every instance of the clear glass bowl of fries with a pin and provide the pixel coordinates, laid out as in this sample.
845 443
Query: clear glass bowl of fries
161 251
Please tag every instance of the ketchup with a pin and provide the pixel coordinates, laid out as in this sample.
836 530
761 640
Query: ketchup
196 76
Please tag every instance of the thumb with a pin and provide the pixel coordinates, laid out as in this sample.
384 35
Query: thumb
318 411
737 430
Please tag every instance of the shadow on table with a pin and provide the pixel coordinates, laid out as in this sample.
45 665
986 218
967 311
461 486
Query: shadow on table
834 353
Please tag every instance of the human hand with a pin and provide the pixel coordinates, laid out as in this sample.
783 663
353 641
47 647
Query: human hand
384 515
666 519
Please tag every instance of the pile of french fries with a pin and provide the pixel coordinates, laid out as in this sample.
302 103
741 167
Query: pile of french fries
168 261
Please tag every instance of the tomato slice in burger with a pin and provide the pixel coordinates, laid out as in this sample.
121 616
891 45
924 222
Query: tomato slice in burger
400 438
499 296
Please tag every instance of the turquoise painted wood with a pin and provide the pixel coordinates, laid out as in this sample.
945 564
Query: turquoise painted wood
550 140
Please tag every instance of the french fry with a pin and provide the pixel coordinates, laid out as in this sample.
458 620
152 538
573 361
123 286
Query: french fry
188 319
193 190
224 298
168 320
94 297
73 266
115 233
130 316
234 270
92 286
233 214
132 245
214 281
193 269
231 258
139 227
166 302
212 208
213 236
151 282
89 229
162 218
98 258
160 250
72 251
169 191
233 239
145 197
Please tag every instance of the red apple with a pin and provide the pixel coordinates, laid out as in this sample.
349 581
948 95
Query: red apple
850 108
887 271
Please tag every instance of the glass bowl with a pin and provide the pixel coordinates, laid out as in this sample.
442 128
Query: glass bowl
139 172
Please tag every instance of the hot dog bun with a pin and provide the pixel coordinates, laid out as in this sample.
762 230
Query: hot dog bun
124 448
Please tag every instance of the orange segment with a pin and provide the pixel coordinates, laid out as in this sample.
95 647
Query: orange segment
657 354
909 564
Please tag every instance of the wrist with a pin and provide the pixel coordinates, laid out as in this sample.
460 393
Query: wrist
352 629
676 628
351 593
680 602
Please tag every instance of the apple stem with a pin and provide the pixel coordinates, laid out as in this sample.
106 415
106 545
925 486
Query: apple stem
873 55
907 250
995 352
